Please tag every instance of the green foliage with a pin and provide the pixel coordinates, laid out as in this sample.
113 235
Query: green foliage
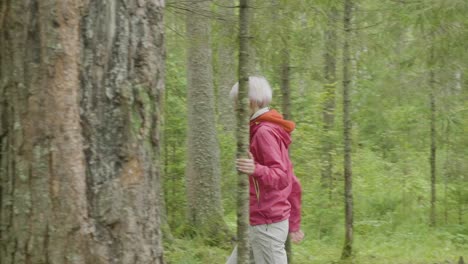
391 139
193 251
175 123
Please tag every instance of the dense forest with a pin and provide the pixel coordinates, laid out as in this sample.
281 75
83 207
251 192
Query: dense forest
118 138
407 111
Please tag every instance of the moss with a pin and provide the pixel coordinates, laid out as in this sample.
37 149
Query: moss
142 112
136 123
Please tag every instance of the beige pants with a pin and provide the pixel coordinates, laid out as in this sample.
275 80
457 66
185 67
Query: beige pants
267 244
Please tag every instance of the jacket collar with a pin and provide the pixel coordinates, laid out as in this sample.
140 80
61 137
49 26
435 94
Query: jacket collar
259 113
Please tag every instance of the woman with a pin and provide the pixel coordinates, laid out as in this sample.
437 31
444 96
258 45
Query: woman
275 192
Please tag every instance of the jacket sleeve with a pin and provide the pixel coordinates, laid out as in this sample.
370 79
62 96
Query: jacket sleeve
295 201
270 169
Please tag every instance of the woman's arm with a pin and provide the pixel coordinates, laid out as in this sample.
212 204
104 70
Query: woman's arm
295 201
295 232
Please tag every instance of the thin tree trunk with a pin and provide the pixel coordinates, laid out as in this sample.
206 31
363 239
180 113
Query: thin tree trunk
174 187
243 133
348 195
205 211
432 158
461 208
459 91
460 260
122 87
283 28
285 86
285 67
285 80
43 206
165 227
446 171
328 113
405 136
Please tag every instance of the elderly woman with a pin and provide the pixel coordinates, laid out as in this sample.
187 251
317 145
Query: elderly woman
275 192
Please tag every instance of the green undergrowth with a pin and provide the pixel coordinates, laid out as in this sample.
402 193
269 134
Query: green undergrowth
191 251
391 212
406 246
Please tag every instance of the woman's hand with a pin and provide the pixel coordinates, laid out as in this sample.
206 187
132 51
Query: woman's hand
297 236
246 166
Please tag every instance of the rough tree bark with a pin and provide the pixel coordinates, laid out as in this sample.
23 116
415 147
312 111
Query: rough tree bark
80 89
328 112
122 86
348 194
43 206
205 210
243 248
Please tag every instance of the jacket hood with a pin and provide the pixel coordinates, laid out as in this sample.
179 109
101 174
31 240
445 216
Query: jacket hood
284 127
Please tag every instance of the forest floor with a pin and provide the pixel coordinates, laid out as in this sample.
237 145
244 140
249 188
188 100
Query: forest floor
390 221
189 251
398 247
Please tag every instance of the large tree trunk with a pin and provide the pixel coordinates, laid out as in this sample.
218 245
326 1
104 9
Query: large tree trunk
328 113
79 179
123 81
348 194
43 206
205 210
243 132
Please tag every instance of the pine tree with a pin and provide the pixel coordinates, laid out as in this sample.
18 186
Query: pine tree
43 203
122 88
204 206
243 248
80 121
328 114
433 150
348 194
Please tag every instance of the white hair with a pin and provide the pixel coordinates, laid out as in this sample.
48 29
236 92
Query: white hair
259 91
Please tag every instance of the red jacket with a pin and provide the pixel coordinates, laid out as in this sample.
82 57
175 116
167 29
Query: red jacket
275 192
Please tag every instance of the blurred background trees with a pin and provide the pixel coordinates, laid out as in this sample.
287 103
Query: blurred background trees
409 103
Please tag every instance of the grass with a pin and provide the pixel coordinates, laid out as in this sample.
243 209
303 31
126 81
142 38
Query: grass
391 207
406 245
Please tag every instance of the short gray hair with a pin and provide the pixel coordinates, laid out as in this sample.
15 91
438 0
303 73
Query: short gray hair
259 91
